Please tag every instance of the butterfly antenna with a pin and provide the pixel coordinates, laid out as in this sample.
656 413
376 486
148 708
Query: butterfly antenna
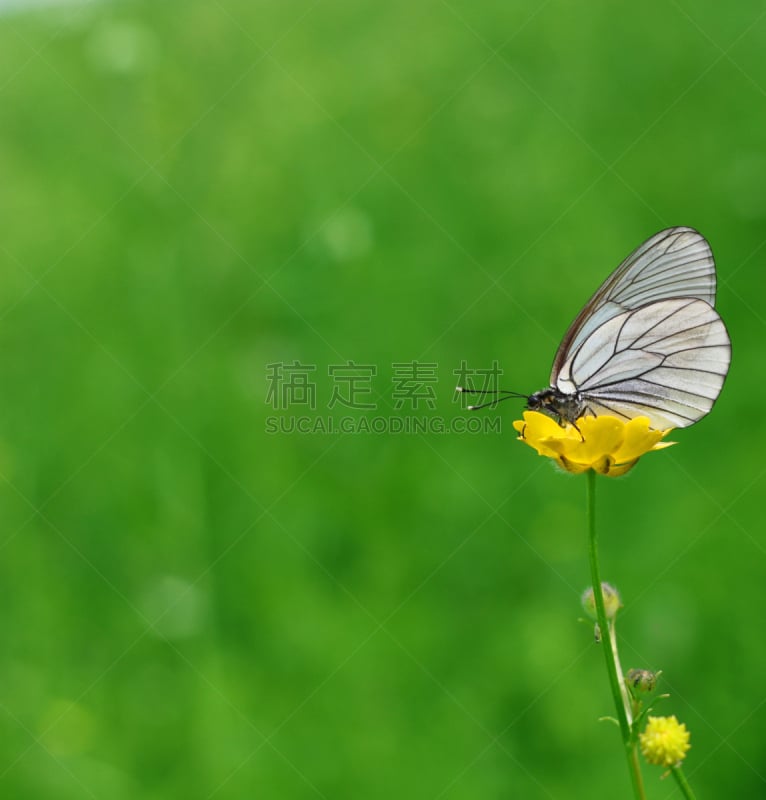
505 395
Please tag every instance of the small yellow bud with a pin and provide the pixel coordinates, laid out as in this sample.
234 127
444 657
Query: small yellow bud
612 602
665 741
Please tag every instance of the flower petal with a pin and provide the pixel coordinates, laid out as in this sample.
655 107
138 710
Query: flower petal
602 435
571 466
541 426
617 470
639 439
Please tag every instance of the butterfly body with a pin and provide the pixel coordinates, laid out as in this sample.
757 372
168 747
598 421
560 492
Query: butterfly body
562 407
648 343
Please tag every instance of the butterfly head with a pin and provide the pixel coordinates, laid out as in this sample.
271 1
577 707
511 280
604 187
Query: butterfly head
555 403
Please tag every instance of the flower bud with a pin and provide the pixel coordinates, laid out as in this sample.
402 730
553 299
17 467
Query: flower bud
641 681
612 602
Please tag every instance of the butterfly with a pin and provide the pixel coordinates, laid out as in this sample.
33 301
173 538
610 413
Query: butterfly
649 343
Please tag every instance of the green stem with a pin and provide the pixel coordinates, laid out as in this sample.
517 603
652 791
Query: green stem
686 790
616 685
626 701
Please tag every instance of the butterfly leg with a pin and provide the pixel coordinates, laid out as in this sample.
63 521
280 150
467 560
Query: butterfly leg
574 425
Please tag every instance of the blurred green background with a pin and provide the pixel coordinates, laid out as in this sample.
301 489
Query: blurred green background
192 191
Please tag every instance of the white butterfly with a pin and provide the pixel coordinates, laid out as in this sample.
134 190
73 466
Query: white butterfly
648 343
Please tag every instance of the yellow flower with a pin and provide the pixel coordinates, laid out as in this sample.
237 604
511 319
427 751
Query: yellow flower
665 741
605 444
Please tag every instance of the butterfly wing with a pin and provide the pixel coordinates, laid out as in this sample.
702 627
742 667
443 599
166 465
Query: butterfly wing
676 262
666 360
